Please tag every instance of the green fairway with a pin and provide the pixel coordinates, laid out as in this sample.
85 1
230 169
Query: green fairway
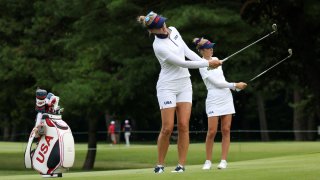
272 160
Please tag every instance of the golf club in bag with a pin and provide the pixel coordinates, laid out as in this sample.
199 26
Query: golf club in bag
274 27
50 148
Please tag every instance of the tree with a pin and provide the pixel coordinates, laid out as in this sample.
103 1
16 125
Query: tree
15 68
298 31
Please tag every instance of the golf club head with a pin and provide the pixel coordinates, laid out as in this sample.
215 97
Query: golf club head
274 27
290 52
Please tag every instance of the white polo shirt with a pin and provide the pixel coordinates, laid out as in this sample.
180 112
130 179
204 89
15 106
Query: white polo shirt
215 80
171 53
219 98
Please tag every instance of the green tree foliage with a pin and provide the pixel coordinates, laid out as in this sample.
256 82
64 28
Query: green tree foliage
299 30
15 68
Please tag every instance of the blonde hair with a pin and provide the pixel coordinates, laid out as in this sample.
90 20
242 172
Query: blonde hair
199 42
142 19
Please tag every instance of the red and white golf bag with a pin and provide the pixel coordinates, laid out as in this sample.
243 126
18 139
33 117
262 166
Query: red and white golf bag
50 149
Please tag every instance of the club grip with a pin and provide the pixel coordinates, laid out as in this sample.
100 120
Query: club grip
223 60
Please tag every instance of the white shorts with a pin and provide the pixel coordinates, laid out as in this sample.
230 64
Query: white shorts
170 93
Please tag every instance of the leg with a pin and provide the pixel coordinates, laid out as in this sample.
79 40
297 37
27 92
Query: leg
113 139
183 117
212 131
167 117
127 136
225 130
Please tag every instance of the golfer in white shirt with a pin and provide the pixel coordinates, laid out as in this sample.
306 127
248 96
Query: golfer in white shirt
174 90
219 103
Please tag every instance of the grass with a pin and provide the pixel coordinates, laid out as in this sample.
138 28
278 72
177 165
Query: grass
256 160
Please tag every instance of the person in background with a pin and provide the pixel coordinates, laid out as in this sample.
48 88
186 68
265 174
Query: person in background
127 132
112 133
219 103
174 89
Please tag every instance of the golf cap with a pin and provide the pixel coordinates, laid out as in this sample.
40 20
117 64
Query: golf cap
157 20
112 122
126 121
207 45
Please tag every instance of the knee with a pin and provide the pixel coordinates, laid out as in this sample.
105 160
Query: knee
211 133
166 131
183 128
225 131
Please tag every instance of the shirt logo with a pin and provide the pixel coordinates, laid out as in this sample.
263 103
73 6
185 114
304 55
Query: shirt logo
176 37
167 102
211 112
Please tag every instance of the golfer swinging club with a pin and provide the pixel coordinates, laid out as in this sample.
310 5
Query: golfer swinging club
174 90
219 103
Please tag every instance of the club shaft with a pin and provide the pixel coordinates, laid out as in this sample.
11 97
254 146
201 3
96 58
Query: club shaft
269 68
225 59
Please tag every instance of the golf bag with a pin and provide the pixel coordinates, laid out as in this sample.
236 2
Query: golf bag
50 149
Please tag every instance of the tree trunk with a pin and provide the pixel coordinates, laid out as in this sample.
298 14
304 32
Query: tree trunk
315 122
262 118
6 130
13 136
311 126
92 145
297 117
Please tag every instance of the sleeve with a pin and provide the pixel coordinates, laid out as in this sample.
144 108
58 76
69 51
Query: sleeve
187 51
174 59
217 81
161 52
204 73
190 54
171 58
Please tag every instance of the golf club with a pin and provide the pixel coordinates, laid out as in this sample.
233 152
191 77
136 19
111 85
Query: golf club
274 27
290 54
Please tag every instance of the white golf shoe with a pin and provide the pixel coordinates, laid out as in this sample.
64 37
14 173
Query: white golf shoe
207 165
223 164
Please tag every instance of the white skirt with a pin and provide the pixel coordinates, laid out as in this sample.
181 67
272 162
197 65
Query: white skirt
219 102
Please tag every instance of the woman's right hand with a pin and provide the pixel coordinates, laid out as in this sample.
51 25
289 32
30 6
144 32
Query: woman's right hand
214 63
241 85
